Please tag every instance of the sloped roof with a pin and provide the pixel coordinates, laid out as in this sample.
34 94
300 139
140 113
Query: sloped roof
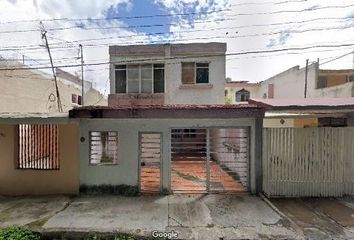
169 111
305 103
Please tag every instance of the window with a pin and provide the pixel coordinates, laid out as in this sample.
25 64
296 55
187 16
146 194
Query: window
73 98
242 96
103 148
350 78
76 99
195 73
143 78
322 82
38 146
332 122
189 133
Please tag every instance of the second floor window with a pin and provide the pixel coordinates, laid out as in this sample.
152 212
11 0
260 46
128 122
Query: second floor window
195 73
140 78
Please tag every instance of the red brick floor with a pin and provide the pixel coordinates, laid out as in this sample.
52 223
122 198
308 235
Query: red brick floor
190 177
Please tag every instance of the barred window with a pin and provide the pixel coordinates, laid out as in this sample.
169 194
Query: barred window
103 147
38 146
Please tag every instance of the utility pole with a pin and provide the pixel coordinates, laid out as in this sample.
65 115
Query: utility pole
82 75
44 36
306 70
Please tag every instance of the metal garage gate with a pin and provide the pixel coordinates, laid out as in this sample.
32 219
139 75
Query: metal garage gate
209 160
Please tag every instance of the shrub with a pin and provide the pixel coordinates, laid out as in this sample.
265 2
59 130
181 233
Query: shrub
124 190
17 233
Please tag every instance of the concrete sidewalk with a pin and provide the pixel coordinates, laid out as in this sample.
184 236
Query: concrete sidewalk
193 217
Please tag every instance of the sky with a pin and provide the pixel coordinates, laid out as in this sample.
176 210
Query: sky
248 27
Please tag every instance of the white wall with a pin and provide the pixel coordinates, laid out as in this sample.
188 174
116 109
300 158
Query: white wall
212 93
31 91
291 83
343 90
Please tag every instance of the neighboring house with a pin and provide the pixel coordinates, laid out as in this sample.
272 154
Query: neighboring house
34 91
312 154
241 91
167 74
304 113
321 83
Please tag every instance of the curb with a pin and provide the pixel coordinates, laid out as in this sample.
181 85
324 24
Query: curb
293 225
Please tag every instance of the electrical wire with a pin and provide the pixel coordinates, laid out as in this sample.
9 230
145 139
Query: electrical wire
186 57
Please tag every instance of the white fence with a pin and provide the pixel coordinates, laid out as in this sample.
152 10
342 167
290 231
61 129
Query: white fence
311 162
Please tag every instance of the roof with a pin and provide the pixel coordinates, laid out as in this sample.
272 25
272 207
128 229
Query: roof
177 49
18 115
242 84
169 111
305 103
344 71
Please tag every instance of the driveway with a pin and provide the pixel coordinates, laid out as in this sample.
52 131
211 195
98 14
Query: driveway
320 218
192 217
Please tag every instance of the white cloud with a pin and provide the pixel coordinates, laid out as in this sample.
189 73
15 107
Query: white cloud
232 29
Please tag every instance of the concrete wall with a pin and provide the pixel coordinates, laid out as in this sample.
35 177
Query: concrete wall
127 169
343 90
173 56
291 83
35 182
34 91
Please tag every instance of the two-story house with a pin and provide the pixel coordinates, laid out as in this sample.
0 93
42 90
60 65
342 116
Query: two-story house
167 74
166 127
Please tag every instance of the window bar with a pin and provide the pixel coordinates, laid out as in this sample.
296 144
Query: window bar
35 146
46 146
25 142
18 163
50 147
42 146
56 147
31 130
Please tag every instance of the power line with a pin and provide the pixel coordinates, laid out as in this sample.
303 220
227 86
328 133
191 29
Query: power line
186 57
174 24
181 14
56 46
336 58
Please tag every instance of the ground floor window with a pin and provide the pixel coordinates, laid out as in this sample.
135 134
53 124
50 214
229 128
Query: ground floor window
38 146
103 147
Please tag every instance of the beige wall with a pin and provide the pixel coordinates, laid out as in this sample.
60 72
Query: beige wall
290 122
31 91
34 182
276 122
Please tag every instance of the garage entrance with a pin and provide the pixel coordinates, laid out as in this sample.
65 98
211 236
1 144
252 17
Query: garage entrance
205 160
150 163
